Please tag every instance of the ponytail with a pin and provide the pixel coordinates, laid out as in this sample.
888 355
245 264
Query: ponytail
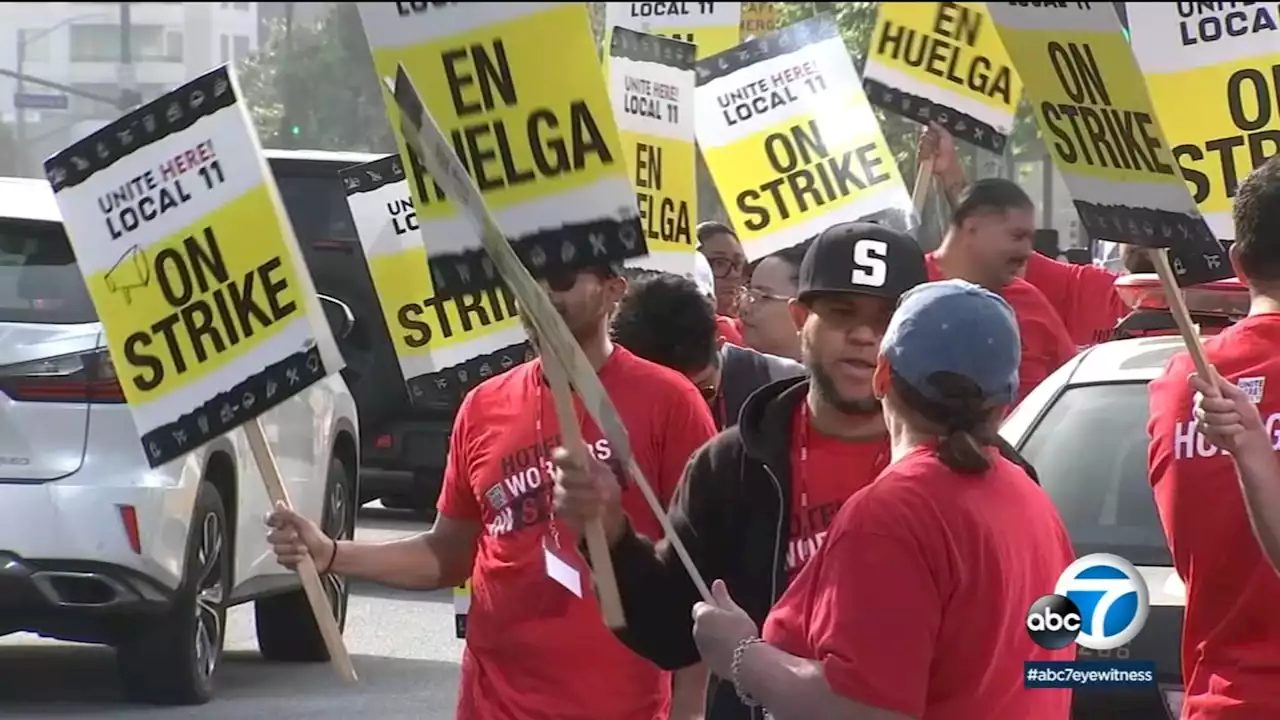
963 452
964 422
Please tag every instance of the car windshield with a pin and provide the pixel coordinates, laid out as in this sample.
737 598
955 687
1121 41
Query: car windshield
1090 450
39 280
317 206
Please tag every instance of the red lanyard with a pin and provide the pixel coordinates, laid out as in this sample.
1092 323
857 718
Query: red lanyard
801 442
722 414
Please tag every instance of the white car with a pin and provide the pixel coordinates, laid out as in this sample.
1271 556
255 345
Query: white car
97 547
1084 429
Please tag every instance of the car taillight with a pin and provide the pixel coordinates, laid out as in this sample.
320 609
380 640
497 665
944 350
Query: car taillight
1228 298
82 377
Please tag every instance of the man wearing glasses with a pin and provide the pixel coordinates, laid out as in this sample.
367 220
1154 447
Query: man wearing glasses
766 322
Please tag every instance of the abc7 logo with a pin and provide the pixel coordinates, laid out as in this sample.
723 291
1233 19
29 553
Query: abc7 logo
1116 604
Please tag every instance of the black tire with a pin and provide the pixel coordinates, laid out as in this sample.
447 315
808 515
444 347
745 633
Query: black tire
421 498
172 661
414 503
287 631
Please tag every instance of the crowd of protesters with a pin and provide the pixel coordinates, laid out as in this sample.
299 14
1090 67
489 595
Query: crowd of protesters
828 453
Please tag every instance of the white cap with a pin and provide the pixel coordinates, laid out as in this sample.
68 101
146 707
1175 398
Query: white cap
703 276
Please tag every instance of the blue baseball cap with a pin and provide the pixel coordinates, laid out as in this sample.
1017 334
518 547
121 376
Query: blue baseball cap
954 327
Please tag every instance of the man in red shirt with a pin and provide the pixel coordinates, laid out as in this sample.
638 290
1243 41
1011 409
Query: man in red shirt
1230 647
535 649
916 605
1084 296
988 244
756 502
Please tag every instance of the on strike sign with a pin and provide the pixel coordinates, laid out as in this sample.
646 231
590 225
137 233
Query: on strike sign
209 312
792 142
1228 59
1094 112
445 346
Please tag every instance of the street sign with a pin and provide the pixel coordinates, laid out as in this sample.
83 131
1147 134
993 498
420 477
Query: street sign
40 101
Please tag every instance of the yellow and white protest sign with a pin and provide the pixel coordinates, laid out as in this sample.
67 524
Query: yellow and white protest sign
1097 119
943 62
759 18
209 312
712 26
1213 70
517 87
445 346
651 83
791 140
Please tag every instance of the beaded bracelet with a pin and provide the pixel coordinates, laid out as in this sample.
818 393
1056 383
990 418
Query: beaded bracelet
738 653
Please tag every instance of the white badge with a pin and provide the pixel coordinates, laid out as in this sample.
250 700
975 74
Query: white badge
562 572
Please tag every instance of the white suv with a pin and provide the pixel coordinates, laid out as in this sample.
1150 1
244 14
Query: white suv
97 547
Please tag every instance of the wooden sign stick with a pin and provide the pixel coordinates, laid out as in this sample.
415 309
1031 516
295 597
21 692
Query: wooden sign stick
924 181
1181 315
556 343
311 584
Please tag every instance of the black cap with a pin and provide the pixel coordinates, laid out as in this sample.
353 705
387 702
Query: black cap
865 258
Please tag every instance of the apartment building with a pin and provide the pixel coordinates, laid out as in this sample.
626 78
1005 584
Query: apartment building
82 45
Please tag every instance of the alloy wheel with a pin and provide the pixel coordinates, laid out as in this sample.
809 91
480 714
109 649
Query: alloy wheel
336 526
210 595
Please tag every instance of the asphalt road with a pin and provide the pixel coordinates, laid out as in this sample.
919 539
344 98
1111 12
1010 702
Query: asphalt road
402 645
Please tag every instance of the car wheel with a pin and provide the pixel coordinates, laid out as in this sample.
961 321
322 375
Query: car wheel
172 662
287 631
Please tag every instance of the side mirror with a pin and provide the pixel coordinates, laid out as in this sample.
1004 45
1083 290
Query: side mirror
341 320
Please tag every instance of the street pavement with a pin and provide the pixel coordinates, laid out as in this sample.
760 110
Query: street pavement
401 642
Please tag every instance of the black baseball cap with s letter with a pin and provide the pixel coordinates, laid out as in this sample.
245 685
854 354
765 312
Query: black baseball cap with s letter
863 258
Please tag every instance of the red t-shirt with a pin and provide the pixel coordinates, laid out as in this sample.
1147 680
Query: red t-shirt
1230 646
824 474
730 330
1045 342
534 650
1084 296
917 603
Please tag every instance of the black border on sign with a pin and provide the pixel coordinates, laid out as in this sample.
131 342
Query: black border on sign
367 177
776 44
923 110
451 384
168 114
643 47
227 410
1196 255
570 248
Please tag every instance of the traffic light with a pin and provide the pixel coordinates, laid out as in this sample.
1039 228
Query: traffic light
295 130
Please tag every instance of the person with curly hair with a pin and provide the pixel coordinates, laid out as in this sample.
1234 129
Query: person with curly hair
664 318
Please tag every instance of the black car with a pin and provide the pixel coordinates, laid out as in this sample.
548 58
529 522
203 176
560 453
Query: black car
404 440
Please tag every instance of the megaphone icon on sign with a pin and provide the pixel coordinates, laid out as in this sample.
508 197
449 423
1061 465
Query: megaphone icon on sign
131 272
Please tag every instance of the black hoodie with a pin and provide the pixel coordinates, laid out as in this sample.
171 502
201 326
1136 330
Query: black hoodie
731 512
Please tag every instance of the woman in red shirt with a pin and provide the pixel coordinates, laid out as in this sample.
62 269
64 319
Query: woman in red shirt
916 605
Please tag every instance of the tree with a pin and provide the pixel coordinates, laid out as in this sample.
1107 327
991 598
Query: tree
315 87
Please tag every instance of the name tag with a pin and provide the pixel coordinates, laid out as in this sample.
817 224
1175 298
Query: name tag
461 606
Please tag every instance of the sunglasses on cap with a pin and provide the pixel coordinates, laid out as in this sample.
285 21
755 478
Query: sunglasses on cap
565 280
